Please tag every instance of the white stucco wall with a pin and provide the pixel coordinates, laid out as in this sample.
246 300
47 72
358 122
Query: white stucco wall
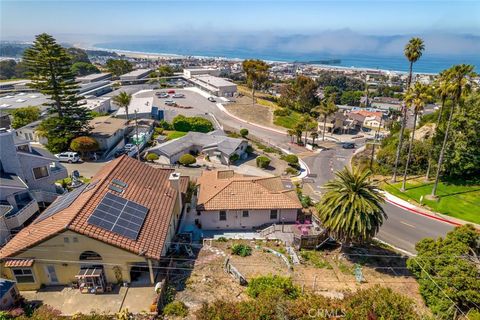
210 220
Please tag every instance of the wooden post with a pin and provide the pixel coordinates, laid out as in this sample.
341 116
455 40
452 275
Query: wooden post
314 282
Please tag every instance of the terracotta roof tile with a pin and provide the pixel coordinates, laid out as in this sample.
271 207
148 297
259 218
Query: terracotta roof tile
238 192
16 263
147 186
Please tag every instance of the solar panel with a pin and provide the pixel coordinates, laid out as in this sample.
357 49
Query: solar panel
120 183
119 215
114 188
62 202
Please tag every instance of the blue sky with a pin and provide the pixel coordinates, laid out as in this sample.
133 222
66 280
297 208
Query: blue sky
20 19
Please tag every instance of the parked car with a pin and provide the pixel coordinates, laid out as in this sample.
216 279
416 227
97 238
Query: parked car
348 145
169 102
178 95
70 157
171 91
129 146
211 99
162 94
119 152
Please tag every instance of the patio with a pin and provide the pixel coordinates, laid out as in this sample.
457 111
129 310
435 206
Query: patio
70 301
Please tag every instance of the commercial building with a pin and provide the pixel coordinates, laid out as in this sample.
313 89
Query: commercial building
95 77
229 201
214 85
100 104
27 181
96 88
190 73
115 229
135 76
142 106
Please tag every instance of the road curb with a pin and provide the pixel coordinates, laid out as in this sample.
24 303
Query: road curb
431 216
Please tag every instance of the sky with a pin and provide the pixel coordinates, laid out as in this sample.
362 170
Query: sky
339 25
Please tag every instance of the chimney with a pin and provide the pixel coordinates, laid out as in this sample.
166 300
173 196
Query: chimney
174 179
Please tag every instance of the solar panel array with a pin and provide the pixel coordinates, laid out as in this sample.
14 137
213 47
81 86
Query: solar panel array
119 215
62 202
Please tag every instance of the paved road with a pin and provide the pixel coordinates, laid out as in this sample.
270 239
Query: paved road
402 228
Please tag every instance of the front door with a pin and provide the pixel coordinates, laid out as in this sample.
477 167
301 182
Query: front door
52 274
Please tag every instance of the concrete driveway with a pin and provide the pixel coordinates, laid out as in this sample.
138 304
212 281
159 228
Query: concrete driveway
70 301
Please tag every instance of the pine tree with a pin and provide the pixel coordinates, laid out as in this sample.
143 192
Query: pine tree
49 68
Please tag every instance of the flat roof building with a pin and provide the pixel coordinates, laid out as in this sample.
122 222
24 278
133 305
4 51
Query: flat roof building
94 77
135 76
189 73
215 85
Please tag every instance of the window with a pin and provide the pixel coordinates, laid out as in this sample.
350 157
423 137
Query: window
23 275
273 214
66 240
245 214
75 240
223 215
90 255
40 172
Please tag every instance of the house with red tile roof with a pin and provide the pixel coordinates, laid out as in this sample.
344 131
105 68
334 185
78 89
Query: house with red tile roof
230 201
115 229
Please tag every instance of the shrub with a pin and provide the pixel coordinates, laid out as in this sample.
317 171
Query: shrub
292 171
152 157
291 159
197 124
249 149
280 285
84 144
164 125
222 239
187 159
176 308
241 250
244 132
159 130
234 157
282 112
263 162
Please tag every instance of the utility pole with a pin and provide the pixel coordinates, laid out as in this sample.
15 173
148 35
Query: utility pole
375 141
136 134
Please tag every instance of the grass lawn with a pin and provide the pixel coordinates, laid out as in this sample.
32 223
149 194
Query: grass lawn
288 121
459 201
174 134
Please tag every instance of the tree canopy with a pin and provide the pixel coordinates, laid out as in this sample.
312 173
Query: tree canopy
118 66
300 94
197 124
49 68
24 116
84 68
447 271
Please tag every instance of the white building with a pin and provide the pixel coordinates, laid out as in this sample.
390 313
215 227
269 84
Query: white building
135 76
143 107
215 85
100 104
189 73
94 77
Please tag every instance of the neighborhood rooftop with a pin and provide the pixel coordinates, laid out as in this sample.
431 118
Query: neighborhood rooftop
145 186
226 190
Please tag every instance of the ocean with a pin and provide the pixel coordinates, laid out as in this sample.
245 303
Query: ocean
428 63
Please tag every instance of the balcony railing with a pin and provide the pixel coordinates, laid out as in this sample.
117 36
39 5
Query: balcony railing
15 218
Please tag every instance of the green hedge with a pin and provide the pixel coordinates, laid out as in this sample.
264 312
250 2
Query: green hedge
187 159
263 162
197 124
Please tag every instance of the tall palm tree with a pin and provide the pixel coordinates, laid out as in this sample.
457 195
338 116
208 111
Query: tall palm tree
441 90
291 134
351 208
458 83
416 98
314 135
413 51
123 101
326 108
309 124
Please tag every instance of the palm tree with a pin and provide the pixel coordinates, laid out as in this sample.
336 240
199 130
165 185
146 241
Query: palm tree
441 90
326 108
291 134
123 101
413 51
351 208
458 83
314 136
309 125
416 97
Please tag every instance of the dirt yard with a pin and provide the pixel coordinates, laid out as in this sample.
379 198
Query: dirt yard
243 108
329 272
